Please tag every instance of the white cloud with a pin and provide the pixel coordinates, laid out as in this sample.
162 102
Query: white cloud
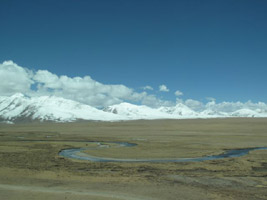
14 79
178 93
147 88
163 88
233 106
223 107
85 90
154 102
210 99
193 104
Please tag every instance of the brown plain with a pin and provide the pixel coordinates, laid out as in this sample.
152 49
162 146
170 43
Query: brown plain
30 167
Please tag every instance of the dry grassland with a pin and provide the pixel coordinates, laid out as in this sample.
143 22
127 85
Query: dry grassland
30 167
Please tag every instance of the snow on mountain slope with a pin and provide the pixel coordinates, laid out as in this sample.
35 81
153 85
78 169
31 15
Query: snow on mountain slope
180 110
143 112
50 108
246 113
137 112
209 113
13 106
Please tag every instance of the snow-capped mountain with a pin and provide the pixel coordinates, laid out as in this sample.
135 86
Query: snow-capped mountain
131 111
209 113
19 107
246 113
179 110
49 108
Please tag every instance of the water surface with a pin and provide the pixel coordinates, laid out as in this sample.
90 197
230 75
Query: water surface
77 153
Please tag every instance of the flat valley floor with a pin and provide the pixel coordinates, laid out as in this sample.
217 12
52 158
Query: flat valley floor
30 167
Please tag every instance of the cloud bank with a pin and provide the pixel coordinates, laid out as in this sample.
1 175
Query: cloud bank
14 79
17 79
223 107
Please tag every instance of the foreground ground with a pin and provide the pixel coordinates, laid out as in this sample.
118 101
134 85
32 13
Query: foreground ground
30 167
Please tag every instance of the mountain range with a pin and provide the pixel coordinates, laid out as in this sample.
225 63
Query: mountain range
21 108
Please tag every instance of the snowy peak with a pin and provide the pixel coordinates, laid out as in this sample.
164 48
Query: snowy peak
13 106
48 108
19 107
179 110
132 111
246 113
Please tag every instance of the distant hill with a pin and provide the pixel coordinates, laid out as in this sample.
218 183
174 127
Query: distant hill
20 108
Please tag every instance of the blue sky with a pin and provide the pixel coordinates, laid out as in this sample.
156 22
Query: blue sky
207 48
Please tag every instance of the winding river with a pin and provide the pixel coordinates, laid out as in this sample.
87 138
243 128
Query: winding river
78 153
